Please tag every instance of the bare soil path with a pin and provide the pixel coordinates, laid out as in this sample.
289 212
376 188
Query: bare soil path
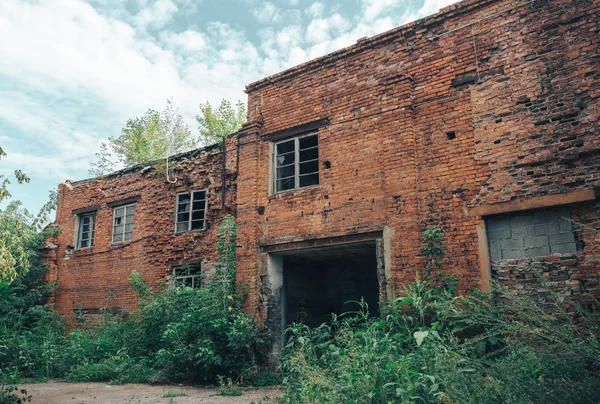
55 392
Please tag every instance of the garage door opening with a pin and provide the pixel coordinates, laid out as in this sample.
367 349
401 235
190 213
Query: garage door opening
318 282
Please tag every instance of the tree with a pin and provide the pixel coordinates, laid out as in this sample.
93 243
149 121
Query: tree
5 181
215 124
154 136
103 164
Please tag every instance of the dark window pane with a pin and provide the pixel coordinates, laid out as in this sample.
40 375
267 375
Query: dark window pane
118 220
199 205
183 217
308 180
310 167
285 159
286 172
309 154
200 195
308 141
85 220
183 207
184 198
197 224
198 215
285 147
85 228
83 244
283 185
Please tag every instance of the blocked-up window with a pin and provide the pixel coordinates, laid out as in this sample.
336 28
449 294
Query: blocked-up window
531 234
123 223
87 228
296 163
191 211
187 276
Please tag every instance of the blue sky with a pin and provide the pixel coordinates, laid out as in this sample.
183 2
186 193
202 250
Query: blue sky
72 71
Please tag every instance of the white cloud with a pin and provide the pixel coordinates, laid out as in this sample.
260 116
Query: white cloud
186 41
155 15
316 10
372 9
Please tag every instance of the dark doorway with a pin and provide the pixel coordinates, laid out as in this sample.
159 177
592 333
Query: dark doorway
322 281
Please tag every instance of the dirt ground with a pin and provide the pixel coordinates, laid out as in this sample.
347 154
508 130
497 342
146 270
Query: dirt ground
54 392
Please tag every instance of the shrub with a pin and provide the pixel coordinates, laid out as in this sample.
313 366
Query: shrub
431 346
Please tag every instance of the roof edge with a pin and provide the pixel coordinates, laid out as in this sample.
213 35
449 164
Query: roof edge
132 169
365 43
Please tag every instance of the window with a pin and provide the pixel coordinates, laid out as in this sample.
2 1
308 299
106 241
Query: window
187 276
87 228
296 163
531 234
191 211
123 223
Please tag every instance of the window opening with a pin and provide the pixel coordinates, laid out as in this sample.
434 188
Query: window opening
187 276
191 211
87 228
123 223
297 163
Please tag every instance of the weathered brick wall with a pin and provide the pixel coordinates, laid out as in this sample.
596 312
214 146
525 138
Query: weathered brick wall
487 103
484 103
97 277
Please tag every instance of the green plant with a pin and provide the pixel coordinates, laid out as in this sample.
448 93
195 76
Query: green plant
228 387
432 346
173 394
433 251
12 395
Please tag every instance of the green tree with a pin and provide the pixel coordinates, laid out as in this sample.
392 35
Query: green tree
5 181
215 124
154 136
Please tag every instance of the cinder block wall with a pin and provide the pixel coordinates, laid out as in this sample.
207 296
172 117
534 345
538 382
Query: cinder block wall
486 103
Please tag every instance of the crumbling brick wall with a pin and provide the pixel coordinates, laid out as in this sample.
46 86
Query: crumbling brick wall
96 279
485 104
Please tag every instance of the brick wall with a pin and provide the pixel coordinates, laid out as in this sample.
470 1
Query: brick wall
486 103
97 278
488 107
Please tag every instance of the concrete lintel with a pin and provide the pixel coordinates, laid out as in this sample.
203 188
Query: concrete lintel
533 203
322 242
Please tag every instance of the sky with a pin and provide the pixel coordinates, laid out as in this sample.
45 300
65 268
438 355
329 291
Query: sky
72 71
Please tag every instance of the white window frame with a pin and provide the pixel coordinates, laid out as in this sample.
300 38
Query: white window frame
191 194
296 163
195 278
112 237
92 231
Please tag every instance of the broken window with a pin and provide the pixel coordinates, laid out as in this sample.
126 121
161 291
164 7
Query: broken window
296 163
87 228
191 211
531 234
187 276
123 223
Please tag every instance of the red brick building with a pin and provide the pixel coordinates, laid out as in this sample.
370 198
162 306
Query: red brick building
482 120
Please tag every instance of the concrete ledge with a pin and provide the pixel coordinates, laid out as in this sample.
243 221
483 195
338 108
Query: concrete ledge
533 203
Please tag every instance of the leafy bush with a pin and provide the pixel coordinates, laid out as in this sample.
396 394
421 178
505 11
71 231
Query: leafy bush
431 346
12 395
181 334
